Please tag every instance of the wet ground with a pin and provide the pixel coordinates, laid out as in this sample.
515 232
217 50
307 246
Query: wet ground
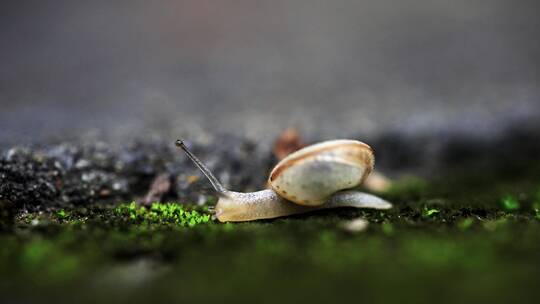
459 237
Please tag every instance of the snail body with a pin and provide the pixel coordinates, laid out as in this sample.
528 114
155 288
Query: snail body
316 177
266 204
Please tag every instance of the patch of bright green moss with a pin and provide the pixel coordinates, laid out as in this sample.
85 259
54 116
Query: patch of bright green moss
159 213
62 214
429 212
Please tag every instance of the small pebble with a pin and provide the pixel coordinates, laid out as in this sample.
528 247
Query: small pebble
355 225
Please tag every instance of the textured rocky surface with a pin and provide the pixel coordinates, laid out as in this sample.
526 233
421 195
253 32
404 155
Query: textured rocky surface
79 173
71 173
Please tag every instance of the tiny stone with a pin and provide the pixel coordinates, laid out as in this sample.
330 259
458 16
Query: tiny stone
86 177
82 163
117 186
201 200
11 154
356 225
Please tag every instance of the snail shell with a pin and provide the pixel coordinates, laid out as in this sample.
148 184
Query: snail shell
311 175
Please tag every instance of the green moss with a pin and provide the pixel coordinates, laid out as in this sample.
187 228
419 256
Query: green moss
446 239
42 258
429 212
387 228
536 204
465 223
34 253
510 203
159 213
62 214
495 224
306 257
536 210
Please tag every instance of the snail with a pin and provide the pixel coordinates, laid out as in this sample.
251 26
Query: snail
319 176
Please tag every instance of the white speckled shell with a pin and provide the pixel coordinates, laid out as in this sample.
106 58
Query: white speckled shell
311 175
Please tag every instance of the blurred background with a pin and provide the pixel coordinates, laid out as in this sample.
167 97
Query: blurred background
253 68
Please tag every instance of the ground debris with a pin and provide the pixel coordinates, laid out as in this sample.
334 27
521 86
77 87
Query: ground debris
158 189
356 225
82 171
287 142
85 173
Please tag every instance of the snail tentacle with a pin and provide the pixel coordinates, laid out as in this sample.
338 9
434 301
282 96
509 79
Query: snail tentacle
213 180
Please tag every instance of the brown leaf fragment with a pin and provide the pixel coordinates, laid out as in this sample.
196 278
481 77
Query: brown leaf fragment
287 142
159 187
192 179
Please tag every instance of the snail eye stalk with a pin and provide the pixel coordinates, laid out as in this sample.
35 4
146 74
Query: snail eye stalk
213 180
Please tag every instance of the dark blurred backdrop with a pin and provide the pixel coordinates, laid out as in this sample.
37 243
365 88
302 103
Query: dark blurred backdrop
331 68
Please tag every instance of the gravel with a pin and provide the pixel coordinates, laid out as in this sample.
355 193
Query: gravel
81 172
77 174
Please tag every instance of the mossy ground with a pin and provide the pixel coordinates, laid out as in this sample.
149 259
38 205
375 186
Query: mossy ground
471 235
